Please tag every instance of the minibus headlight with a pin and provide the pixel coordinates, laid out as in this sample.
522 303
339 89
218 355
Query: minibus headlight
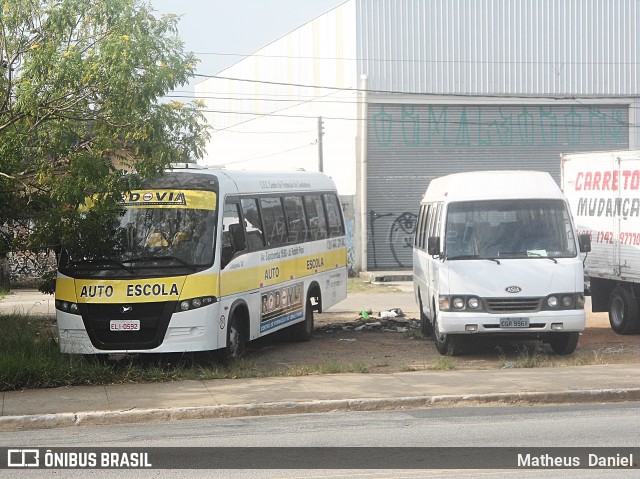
567 301
67 307
195 303
458 303
474 303
552 301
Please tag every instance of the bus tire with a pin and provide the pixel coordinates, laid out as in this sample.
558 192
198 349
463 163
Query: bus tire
426 328
236 340
564 343
303 331
623 311
446 344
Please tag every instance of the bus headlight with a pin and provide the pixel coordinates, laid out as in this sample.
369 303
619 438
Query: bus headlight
561 301
67 307
460 303
195 303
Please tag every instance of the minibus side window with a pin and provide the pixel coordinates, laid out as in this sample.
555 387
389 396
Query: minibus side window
315 214
233 239
252 224
296 219
336 227
275 226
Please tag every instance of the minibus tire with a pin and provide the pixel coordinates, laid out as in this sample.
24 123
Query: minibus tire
303 331
623 311
446 344
564 343
236 341
426 328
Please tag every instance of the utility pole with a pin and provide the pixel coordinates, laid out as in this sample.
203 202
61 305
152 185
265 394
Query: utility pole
320 135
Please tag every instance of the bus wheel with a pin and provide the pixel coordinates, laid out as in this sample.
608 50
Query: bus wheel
236 340
426 328
623 311
446 344
564 343
303 331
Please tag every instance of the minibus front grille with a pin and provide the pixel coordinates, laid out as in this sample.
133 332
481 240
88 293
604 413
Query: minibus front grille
154 320
513 305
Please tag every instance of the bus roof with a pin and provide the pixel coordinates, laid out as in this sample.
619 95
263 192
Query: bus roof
261 181
487 185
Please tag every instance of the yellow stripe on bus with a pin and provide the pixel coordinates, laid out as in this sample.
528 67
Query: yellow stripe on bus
247 279
138 290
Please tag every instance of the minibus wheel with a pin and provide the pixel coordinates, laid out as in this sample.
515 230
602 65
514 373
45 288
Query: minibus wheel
564 343
236 340
446 344
426 328
303 331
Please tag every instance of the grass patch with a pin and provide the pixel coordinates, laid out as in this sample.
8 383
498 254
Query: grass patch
358 285
444 363
30 358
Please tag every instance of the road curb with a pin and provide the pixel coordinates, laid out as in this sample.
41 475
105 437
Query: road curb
97 418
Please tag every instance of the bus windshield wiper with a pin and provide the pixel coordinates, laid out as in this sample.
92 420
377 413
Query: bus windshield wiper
101 261
472 256
538 255
162 258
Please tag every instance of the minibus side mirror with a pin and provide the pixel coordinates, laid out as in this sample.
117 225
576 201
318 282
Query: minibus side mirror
433 245
584 240
237 237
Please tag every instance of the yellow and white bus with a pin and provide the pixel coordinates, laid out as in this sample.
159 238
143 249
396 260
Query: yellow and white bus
212 259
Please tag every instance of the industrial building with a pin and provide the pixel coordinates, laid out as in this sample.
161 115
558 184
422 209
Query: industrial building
384 95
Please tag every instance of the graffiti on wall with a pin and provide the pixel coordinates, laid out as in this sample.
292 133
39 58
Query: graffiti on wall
503 126
397 232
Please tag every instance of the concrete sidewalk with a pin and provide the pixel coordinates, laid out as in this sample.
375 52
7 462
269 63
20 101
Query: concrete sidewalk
128 403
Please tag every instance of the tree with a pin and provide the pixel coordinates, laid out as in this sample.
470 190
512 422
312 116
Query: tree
81 88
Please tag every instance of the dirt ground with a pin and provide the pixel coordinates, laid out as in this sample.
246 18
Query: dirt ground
346 343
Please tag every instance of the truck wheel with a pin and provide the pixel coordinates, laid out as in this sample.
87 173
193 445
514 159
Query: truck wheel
446 344
623 311
426 328
564 343
303 331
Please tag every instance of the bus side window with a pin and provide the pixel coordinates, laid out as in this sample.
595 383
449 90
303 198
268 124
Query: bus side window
233 239
317 220
336 227
253 224
296 219
274 222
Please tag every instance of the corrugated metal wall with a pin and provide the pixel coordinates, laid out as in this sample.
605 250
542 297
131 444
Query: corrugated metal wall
500 47
410 144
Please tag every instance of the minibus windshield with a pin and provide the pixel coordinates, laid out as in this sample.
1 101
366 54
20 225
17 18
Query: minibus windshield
524 228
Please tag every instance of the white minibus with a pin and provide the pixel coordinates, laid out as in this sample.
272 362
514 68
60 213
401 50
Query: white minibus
496 253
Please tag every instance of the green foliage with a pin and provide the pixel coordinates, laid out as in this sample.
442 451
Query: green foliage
81 84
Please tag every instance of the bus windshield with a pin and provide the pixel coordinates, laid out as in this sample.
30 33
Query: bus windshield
159 229
531 228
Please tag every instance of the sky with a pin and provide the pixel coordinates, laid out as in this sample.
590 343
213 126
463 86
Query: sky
221 32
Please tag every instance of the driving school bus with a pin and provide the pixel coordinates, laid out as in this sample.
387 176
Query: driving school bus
212 259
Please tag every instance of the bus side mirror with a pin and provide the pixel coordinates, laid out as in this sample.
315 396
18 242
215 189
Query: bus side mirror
433 245
584 240
237 237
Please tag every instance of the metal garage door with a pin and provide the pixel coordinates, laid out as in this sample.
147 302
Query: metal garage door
408 145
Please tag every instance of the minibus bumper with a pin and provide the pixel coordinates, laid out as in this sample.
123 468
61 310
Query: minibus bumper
485 323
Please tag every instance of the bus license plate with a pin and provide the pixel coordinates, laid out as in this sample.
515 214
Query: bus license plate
514 322
124 325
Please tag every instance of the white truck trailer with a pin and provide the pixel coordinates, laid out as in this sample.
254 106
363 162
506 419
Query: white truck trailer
603 190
